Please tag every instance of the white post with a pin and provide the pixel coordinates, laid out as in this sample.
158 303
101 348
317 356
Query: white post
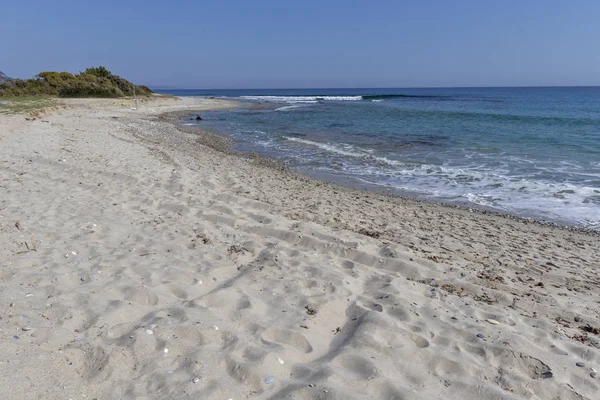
134 99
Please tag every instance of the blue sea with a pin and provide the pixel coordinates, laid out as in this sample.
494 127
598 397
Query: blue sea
531 152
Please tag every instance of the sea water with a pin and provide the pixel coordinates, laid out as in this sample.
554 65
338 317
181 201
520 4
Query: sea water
532 152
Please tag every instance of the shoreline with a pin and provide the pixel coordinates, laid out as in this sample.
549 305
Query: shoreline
227 144
140 262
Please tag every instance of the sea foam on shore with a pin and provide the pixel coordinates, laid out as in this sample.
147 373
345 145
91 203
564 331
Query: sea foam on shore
531 152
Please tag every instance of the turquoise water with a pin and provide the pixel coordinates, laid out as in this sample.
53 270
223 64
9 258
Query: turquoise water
533 152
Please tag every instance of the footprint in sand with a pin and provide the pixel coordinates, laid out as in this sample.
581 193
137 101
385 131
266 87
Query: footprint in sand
354 367
139 295
294 339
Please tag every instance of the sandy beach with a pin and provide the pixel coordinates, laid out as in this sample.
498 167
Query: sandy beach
142 260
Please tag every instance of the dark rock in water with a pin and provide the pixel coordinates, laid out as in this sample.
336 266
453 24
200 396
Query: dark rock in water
4 78
198 118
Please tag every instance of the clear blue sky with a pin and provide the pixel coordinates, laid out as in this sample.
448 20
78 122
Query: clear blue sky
324 43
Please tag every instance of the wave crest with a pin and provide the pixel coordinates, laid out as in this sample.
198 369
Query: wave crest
302 99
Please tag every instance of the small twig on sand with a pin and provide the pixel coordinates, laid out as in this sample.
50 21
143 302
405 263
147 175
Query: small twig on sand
23 251
147 254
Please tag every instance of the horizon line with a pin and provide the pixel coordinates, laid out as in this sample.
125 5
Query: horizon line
378 87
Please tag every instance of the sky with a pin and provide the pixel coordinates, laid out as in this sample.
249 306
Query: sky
308 44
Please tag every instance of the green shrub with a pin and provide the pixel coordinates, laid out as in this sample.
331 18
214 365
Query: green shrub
99 71
93 82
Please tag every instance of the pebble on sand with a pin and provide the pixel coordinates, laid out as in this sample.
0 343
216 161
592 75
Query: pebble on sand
481 336
580 364
149 331
492 321
269 379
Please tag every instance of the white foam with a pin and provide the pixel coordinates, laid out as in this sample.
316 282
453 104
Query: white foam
287 108
483 200
301 99
496 188
347 150
563 202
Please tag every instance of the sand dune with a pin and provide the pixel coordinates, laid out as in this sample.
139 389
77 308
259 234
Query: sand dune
138 263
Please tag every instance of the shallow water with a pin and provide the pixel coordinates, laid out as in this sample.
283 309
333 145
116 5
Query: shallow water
533 152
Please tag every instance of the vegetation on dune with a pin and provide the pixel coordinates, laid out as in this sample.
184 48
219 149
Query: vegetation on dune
27 104
93 82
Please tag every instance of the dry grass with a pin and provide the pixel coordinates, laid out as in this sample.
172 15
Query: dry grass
22 105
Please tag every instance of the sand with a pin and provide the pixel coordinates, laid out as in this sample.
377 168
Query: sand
143 261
